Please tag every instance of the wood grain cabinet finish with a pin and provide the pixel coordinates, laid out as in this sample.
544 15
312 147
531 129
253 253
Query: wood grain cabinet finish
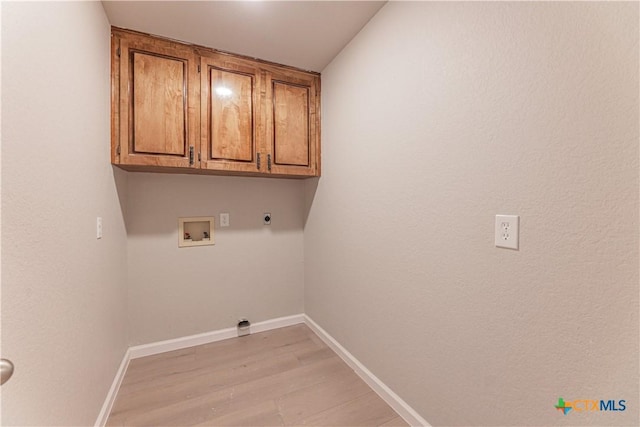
292 120
189 109
229 113
155 121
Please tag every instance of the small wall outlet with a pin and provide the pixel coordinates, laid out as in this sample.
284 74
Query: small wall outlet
266 218
224 219
99 227
507 231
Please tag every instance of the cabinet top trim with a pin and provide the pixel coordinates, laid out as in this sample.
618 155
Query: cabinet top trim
205 49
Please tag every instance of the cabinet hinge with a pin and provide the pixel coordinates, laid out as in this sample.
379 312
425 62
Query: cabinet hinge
258 161
269 162
191 155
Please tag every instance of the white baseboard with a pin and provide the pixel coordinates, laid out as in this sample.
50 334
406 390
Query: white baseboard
113 391
209 337
182 342
392 399
280 322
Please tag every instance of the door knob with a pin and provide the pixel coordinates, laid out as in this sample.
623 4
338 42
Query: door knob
6 370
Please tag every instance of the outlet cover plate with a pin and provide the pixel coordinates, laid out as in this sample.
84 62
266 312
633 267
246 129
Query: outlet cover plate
507 231
224 219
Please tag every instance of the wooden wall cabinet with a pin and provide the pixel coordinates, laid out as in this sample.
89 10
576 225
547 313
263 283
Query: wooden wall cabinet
188 109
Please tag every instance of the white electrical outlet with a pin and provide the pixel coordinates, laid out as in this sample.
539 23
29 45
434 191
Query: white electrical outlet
507 231
224 219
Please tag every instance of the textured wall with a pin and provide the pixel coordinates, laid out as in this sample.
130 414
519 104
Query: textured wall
63 291
438 116
253 270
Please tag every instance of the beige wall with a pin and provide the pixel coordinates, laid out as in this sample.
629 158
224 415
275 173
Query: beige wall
438 116
63 291
253 270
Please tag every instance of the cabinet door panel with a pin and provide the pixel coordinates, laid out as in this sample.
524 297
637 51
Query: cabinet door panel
291 124
159 107
230 103
231 115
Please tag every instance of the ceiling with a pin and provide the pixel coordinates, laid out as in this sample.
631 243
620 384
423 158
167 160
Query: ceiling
303 34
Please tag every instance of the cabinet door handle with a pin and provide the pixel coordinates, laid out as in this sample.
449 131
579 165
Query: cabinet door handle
269 162
258 161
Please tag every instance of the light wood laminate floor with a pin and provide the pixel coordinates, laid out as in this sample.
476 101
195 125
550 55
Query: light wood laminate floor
282 377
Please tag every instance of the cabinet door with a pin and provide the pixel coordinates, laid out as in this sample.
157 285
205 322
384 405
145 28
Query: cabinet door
230 106
158 107
293 131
